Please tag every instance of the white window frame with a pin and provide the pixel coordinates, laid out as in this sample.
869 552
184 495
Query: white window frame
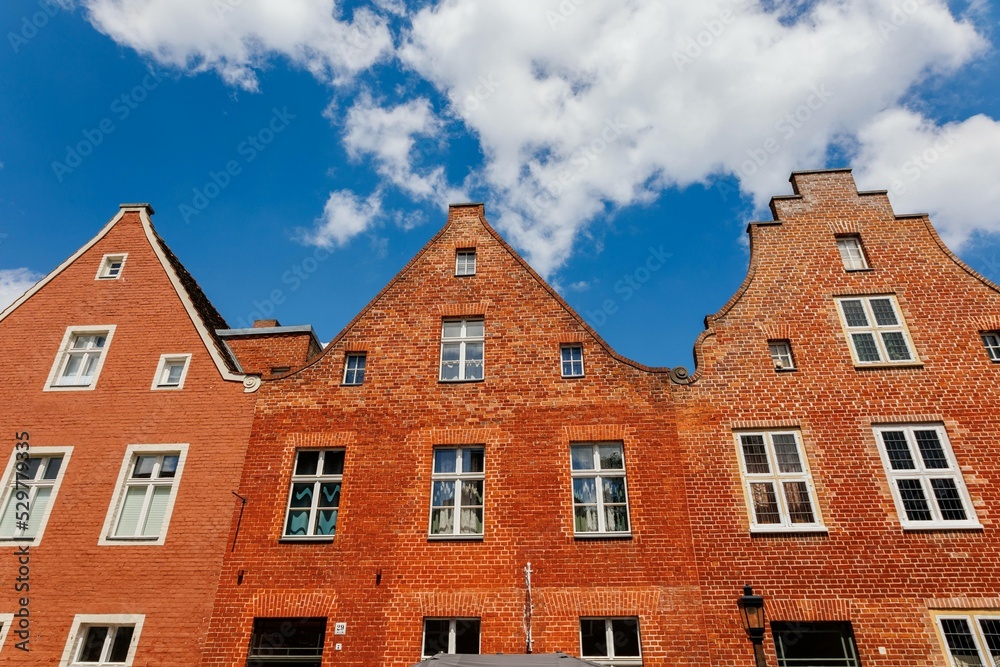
781 354
597 473
9 480
924 475
132 452
972 619
77 633
6 620
877 331
463 341
62 357
463 265
348 370
569 347
105 267
852 253
159 380
452 623
611 658
457 478
317 480
991 340
777 479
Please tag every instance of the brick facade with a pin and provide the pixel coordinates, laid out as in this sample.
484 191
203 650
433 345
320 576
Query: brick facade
70 573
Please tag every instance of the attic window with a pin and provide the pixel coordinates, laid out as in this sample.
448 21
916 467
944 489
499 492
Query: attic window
111 267
465 262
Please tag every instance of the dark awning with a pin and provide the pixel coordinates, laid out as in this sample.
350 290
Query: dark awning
500 660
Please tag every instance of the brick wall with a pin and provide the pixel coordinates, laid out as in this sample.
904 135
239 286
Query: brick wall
260 353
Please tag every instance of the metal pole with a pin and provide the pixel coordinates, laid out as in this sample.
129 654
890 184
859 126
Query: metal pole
758 654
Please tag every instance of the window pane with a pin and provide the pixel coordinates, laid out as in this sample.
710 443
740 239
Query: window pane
471 521
450 356
435 636
38 506
169 466
611 457
144 467
895 345
931 450
451 330
307 462
614 489
443 494
990 627
472 460
473 361
326 522
302 494
961 644
897 450
157 510
799 505
625 633
52 469
467 636
586 519
787 453
444 460
174 371
582 457
333 462
585 491
865 345
616 518
93 644
474 329
594 638
914 500
885 315
765 503
814 645
119 647
131 509
298 522
754 454
948 500
472 492
329 494
854 313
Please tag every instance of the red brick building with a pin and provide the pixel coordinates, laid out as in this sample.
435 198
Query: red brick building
132 420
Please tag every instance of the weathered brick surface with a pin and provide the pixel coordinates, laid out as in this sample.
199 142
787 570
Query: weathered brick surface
526 415
260 353
866 570
172 584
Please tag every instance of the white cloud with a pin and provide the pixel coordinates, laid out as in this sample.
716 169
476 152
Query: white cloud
14 283
234 37
344 217
606 104
388 136
949 171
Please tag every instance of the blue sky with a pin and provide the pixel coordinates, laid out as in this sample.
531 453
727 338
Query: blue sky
306 150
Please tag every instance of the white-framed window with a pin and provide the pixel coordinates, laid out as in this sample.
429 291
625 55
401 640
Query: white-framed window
852 253
457 485
30 485
111 266
971 639
925 479
600 496
281 642
611 641
314 498
171 371
991 339
80 358
6 620
146 491
102 640
779 488
876 330
781 354
462 350
572 360
465 262
450 635
354 367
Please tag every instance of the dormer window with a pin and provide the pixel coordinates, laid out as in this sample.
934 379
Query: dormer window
465 262
111 267
852 253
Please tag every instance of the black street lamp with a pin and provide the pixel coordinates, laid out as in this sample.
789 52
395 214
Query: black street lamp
752 610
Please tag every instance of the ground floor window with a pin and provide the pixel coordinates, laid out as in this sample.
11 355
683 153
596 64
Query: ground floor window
287 642
451 635
973 640
828 644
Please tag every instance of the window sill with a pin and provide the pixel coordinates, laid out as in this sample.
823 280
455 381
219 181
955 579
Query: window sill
573 377
790 369
460 381
455 538
788 530
603 536
884 366
308 539
943 527
868 270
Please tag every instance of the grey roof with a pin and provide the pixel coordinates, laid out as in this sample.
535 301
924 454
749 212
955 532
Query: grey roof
500 660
